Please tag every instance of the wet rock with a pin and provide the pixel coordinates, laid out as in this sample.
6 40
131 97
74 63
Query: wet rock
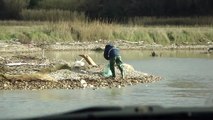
98 49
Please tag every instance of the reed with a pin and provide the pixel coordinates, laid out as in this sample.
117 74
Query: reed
75 30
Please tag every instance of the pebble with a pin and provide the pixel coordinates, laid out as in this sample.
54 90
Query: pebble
5 85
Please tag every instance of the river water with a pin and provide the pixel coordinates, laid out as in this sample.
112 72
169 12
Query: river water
187 82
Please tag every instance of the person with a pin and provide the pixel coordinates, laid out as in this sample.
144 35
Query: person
112 54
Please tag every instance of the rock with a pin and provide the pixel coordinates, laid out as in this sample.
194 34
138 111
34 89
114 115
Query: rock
98 49
79 63
30 77
83 83
128 68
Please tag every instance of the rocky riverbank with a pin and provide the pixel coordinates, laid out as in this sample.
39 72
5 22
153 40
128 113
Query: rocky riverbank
30 72
15 47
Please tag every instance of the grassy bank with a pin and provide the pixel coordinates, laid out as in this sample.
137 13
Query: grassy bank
52 32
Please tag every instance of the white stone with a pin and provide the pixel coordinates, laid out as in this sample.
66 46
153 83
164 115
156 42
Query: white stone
79 63
83 83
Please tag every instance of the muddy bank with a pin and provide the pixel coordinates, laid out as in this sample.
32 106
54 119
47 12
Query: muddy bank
29 72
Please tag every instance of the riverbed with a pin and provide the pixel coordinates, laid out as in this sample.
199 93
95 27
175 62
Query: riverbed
187 81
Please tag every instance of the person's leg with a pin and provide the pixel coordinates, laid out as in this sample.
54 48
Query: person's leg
119 64
112 66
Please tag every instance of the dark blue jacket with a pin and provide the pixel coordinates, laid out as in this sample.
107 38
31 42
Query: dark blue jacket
110 51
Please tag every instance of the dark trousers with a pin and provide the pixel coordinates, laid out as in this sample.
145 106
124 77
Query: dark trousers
118 61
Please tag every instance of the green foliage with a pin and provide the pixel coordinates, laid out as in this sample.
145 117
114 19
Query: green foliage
51 15
122 11
23 38
72 5
170 36
13 7
33 3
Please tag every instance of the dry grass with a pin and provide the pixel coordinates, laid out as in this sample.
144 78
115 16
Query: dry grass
66 31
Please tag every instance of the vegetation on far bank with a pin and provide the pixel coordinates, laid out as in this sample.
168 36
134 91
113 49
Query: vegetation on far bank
107 10
69 31
166 22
